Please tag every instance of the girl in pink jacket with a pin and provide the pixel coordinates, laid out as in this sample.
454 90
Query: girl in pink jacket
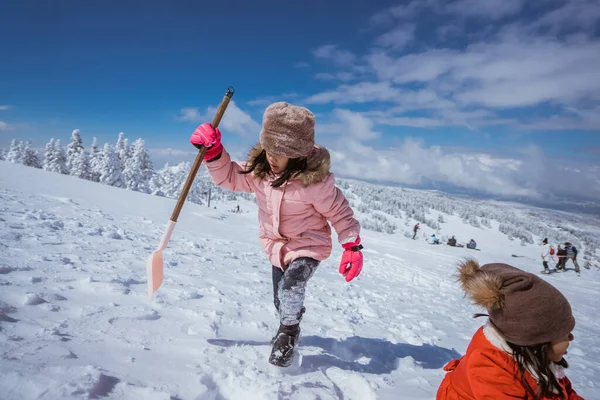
296 197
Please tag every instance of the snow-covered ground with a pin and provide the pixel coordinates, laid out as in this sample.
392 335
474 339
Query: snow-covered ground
75 320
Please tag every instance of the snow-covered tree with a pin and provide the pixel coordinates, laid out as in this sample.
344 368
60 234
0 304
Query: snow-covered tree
31 157
74 148
60 158
122 150
80 167
158 181
2 154
48 156
14 154
54 157
169 181
94 161
138 168
110 170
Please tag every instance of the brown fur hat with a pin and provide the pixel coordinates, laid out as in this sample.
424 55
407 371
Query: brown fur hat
288 130
524 308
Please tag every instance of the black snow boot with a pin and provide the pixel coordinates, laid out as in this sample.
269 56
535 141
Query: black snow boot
300 315
282 353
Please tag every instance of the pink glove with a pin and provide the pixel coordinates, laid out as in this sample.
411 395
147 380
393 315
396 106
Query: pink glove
206 135
352 260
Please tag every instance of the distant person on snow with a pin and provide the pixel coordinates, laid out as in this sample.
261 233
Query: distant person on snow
546 256
472 244
571 255
433 240
518 353
562 258
415 229
452 241
296 196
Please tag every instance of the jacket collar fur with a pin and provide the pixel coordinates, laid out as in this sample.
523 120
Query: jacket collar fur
317 169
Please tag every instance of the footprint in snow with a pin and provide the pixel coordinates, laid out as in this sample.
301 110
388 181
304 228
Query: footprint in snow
35 299
50 307
103 386
6 318
191 295
38 215
6 270
145 315
32 299
55 225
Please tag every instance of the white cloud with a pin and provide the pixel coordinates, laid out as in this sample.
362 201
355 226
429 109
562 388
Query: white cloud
362 92
397 38
515 67
572 14
341 76
263 101
400 12
266 100
512 69
347 124
333 53
301 64
445 32
491 9
5 107
586 121
190 114
4 126
163 152
413 163
350 136
414 122
325 76
235 120
161 156
415 67
480 9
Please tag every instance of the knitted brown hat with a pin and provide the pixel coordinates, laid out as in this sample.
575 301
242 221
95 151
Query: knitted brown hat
288 130
524 308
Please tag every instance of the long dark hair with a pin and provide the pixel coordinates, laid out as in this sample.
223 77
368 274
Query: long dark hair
536 359
261 167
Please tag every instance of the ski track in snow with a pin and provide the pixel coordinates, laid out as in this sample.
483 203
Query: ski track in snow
75 321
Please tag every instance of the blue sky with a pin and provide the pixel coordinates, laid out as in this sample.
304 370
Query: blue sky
492 95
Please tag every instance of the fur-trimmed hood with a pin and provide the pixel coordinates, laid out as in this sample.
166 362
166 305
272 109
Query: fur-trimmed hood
317 169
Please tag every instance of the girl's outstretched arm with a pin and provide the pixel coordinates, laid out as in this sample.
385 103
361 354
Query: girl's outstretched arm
225 174
333 205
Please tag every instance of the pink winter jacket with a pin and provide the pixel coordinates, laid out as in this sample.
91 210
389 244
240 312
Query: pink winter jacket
293 217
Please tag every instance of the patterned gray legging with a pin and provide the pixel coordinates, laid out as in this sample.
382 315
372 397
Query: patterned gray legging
289 288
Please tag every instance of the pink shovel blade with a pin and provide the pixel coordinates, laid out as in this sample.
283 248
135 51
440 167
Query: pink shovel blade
155 272
154 267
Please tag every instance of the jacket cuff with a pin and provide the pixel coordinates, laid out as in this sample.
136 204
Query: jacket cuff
351 242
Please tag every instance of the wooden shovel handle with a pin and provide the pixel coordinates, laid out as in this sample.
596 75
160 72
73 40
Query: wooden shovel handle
200 156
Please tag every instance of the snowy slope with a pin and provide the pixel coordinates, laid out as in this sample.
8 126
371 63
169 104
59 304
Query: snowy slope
75 321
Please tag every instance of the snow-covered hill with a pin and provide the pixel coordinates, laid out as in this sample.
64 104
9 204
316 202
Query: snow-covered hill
75 321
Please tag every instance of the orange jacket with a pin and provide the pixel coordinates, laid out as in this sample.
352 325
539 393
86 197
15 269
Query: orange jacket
488 371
